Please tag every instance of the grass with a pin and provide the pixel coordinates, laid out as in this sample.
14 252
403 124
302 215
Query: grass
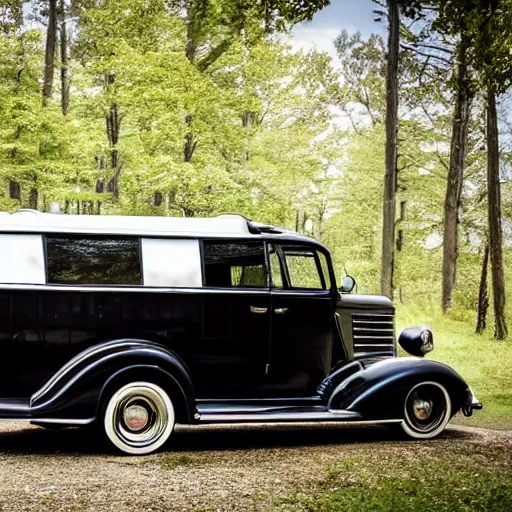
457 478
175 460
486 364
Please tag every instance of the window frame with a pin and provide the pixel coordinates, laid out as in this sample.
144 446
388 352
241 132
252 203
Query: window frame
98 236
222 241
328 282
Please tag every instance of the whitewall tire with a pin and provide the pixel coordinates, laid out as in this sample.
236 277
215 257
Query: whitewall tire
138 418
427 410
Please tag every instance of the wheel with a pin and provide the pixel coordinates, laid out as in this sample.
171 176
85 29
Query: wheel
427 410
138 418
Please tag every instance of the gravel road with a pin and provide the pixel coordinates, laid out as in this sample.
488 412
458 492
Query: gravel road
215 468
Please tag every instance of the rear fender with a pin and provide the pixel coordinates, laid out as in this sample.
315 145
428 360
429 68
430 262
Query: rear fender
74 391
379 391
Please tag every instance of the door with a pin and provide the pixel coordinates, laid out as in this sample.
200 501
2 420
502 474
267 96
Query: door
233 349
302 320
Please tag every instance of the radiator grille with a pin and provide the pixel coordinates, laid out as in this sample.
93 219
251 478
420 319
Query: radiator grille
374 335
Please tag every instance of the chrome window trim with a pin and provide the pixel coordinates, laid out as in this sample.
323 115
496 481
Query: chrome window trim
302 293
133 289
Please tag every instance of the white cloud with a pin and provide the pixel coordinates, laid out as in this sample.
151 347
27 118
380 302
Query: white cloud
307 38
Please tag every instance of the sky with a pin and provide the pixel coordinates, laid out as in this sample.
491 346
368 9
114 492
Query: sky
352 15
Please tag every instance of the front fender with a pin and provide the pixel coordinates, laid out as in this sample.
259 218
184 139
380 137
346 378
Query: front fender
74 391
379 391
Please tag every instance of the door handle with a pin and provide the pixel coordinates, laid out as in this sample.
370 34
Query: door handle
258 311
281 311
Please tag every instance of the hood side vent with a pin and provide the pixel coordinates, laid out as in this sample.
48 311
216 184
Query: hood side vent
374 335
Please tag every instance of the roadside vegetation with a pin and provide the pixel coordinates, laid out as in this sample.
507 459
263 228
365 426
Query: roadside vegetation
458 478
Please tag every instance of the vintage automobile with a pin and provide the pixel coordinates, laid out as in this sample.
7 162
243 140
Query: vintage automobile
134 324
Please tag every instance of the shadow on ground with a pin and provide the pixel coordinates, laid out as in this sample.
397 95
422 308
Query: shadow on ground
31 440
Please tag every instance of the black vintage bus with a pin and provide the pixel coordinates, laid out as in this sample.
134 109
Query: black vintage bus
133 324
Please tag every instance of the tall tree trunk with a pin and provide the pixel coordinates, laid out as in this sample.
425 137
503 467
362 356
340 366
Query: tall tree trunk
49 56
113 125
494 212
483 294
454 183
390 178
64 68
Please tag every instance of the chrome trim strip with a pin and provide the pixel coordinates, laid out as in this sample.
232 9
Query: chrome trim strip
376 337
136 289
370 314
79 376
76 361
278 416
375 329
63 421
372 354
259 400
338 416
369 322
364 345
60 421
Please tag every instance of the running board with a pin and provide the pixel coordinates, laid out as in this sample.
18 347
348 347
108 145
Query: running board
221 415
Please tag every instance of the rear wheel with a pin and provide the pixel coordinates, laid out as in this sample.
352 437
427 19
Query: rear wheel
138 418
427 410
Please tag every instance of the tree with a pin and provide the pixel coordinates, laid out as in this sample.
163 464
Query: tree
390 178
363 68
459 142
49 58
64 58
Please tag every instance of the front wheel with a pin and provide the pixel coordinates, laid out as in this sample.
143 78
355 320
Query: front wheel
427 410
138 418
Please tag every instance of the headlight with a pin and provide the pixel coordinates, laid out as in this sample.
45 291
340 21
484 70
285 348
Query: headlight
417 341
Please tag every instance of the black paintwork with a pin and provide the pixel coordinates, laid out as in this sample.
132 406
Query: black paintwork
214 349
380 389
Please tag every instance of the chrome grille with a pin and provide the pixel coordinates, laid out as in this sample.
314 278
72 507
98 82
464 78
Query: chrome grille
374 335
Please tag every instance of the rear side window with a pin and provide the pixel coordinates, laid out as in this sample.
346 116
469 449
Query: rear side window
234 264
93 260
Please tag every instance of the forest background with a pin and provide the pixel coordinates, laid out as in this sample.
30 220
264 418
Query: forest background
201 107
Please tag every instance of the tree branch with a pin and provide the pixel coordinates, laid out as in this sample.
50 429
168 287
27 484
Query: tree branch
214 54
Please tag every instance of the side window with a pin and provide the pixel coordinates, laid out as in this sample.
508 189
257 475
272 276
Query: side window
234 264
93 260
305 268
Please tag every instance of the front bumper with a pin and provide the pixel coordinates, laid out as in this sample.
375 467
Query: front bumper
471 404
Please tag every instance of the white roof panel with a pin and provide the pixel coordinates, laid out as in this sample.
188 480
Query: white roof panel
33 221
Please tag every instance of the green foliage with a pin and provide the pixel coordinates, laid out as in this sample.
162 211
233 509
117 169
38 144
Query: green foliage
449 482
268 130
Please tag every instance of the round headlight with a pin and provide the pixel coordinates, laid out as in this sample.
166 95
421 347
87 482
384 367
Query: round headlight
417 341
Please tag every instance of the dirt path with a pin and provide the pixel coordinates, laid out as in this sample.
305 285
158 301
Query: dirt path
206 468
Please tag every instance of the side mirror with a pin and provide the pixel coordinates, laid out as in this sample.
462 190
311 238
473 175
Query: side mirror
348 283
417 341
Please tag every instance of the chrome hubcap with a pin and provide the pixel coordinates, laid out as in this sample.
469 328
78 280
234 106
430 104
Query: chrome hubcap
136 417
422 409
139 417
427 409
